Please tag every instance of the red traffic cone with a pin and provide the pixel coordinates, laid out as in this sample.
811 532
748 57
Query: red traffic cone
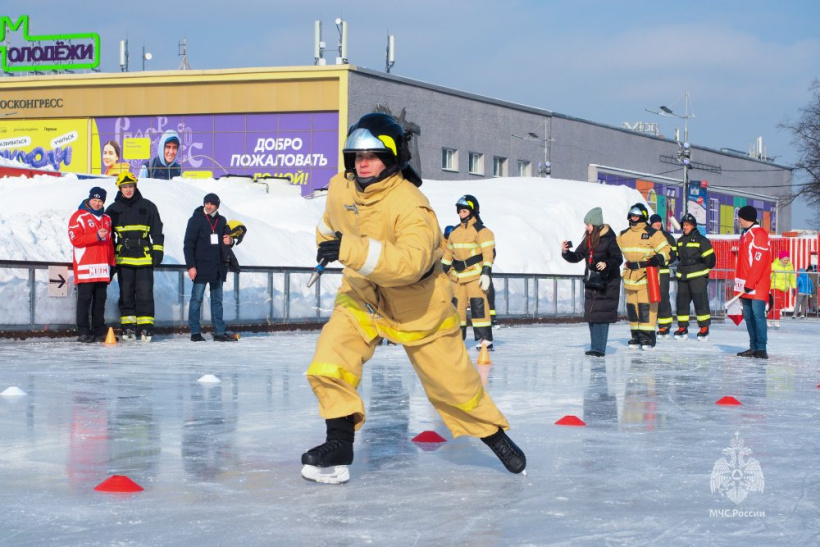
728 401
429 441
571 420
118 483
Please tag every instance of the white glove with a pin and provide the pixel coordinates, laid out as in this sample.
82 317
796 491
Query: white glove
484 282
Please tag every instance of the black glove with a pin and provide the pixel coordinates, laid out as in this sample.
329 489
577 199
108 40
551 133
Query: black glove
633 265
113 271
329 250
156 257
747 290
655 260
446 267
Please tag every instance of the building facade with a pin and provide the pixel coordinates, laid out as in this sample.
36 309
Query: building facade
292 122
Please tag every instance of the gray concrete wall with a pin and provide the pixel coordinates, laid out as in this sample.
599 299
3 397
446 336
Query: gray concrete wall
471 123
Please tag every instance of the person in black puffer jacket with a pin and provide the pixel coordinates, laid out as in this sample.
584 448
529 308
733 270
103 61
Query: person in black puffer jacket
600 252
207 243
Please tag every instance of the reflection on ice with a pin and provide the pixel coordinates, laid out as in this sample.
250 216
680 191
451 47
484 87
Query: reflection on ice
219 461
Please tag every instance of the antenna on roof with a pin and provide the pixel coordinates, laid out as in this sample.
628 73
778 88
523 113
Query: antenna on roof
341 25
391 53
183 65
318 45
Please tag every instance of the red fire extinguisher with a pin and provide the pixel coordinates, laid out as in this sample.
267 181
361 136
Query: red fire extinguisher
653 284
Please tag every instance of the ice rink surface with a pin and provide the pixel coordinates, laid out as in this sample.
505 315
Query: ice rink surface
220 462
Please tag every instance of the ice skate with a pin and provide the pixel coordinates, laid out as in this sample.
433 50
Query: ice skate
777 324
146 334
129 335
634 343
507 451
482 342
703 334
328 463
682 333
663 333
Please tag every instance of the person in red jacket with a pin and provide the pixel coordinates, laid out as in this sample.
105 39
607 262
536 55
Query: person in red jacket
753 279
89 230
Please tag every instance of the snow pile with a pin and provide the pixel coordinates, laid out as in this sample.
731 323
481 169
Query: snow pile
530 216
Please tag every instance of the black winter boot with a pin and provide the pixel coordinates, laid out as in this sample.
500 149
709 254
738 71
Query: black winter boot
507 451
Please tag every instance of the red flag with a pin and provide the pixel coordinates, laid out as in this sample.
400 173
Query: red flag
734 310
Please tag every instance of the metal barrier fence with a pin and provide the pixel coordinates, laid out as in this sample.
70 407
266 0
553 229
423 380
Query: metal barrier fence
279 295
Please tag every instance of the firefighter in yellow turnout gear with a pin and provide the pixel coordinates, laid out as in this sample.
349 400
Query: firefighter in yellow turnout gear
469 261
641 246
380 226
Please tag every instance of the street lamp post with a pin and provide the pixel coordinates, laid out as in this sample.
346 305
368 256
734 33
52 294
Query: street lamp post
545 169
684 150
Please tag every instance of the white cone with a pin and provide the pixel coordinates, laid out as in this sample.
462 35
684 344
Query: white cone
13 391
209 379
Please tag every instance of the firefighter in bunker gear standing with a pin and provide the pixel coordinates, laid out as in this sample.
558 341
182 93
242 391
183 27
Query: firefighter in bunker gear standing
696 257
641 246
138 246
469 261
664 306
380 226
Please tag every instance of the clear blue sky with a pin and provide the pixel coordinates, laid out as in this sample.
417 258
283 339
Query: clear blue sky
747 65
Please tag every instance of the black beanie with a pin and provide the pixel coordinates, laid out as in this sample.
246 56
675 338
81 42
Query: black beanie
211 198
655 218
748 213
97 193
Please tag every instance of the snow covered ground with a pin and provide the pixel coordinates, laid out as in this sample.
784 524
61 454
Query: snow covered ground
530 216
220 463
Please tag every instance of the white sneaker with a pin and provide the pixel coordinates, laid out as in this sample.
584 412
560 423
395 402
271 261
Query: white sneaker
769 323
777 324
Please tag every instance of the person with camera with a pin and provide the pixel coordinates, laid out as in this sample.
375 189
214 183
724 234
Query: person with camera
602 283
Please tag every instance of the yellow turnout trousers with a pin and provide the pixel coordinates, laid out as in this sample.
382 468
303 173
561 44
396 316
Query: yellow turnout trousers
450 380
641 313
471 294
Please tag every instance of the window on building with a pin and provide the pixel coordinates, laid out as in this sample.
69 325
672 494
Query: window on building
499 167
524 168
475 164
449 159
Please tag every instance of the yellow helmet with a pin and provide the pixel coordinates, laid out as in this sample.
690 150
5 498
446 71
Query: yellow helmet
237 230
126 178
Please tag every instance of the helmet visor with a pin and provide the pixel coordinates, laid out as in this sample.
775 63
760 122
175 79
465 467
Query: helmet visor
464 203
362 139
636 211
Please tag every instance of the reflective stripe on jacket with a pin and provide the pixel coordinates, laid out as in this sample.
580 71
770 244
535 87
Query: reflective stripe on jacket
470 248
639 243
695 255
392 283
137 230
